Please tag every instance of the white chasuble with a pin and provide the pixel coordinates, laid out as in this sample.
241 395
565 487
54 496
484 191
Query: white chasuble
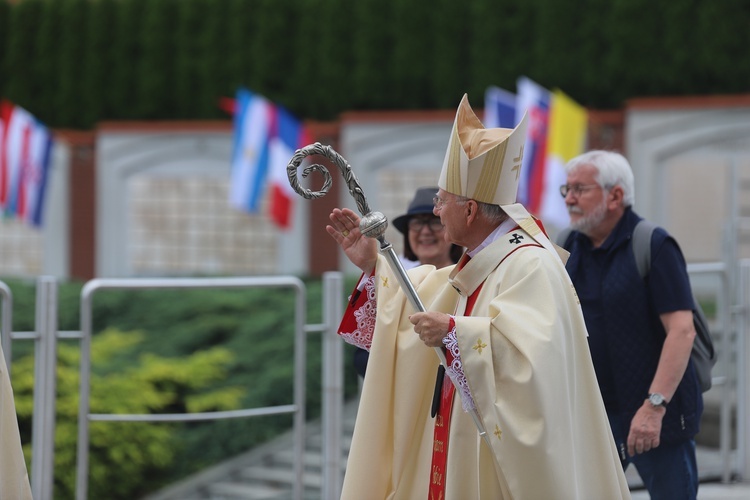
526 360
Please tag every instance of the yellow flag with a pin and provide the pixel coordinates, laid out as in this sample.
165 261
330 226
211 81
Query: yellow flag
568 123
566 139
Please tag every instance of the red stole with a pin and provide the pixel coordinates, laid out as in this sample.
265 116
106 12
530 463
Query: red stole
443 417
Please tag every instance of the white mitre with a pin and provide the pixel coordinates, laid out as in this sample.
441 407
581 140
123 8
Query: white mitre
484 164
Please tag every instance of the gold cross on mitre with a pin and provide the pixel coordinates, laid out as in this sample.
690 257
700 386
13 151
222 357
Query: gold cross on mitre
517 163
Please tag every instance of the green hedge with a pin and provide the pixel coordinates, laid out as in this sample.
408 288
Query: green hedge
146 453
74 63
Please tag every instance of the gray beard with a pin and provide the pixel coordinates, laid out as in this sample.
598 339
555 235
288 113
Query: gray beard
588 223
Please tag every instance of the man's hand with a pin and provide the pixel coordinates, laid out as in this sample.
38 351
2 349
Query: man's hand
431 327
361 250
645 428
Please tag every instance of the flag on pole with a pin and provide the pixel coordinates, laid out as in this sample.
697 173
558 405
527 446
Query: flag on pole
25 147
533 99
266 136
289 136
499 108
568 123
556 133
253 125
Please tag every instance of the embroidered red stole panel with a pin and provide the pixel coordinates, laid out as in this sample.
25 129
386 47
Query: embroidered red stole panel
443 420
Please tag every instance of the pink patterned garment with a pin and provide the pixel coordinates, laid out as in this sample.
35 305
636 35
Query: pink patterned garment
358 325
456 370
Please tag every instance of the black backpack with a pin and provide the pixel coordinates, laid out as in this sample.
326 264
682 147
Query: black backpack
703 354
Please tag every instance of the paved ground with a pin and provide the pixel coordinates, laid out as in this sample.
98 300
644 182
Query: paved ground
711 491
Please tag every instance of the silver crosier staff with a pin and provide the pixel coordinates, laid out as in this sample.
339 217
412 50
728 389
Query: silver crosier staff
372 225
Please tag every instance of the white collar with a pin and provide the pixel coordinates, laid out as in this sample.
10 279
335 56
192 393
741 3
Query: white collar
494 235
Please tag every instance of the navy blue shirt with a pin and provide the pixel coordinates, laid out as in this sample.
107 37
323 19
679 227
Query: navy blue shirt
622 310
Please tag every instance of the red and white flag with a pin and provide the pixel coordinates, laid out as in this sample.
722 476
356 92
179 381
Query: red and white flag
290 135
25 147
265 139
534 100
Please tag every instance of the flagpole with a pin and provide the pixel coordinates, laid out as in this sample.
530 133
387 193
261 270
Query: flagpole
372 225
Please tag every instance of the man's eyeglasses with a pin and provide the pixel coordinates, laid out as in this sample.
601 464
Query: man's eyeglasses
576 189
433 223
440 202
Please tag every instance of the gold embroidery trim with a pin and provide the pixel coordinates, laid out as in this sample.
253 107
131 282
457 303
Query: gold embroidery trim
479 346
498 432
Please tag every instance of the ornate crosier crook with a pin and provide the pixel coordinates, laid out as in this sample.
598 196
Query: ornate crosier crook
372 225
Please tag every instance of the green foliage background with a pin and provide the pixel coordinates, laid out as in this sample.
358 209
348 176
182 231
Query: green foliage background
74 63
169 351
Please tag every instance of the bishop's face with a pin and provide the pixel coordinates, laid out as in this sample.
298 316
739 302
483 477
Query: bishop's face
451 210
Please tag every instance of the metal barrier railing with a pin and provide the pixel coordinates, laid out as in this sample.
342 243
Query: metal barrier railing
297 408
6 324
741 312
724 323
45 370
333 386
45 352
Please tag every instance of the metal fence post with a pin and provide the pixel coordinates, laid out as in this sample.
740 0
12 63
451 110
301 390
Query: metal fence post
333 385
45 388
7 322
743 371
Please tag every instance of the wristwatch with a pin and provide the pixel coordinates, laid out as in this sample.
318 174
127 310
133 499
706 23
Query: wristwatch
657 399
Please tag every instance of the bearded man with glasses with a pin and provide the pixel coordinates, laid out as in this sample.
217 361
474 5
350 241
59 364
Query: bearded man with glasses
640 328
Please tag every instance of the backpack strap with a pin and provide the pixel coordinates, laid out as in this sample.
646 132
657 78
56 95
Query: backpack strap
641 246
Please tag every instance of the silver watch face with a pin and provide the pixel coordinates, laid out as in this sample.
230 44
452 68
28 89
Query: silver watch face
656 399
